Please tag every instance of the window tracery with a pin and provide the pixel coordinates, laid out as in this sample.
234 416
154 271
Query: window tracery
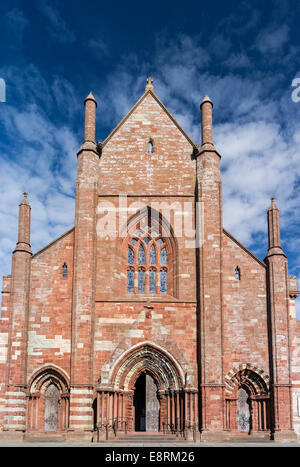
147 268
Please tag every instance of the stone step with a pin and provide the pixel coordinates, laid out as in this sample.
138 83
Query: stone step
44 438
125 438
147 437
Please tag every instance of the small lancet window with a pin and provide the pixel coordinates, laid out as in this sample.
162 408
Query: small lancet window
150 147
64 270
237 273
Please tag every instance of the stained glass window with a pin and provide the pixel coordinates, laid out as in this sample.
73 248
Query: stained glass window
152 255
130 256
130 281
143 250
152 281
141 281
163 256
163 282
141 256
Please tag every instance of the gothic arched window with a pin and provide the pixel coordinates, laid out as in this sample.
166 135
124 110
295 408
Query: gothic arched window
150 147
147 263
64 270
237 273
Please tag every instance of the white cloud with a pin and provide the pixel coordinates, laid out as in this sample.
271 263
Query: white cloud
41 160
99 48
272 39
238 60
56 26
66 98
15 22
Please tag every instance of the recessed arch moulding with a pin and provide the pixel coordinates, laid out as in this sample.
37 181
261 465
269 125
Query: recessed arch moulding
115 391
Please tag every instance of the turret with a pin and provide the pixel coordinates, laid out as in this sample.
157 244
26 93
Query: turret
209 233
206 107
23 243
90 118
18 321
84 271
279 330
274 230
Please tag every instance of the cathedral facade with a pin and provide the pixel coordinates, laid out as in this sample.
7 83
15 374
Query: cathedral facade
148 316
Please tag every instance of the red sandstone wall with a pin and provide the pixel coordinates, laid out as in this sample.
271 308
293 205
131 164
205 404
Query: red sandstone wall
4 322
167 175
171 326
49 326
295 364
245 309
125 166
112 260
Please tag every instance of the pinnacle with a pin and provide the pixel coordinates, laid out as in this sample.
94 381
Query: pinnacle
273 205
206 99
24 200
90 97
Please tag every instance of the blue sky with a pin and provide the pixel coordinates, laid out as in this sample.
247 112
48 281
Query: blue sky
245 55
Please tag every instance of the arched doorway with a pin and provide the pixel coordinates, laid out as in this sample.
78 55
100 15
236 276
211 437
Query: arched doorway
146 404
247 401
48 401
146 390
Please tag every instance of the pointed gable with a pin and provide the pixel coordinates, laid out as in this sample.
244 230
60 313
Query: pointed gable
148 92
126 166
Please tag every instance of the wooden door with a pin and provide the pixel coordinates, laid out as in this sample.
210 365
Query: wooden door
51 407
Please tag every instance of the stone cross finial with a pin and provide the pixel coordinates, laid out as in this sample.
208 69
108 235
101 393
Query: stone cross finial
149 84
24 200
273 205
